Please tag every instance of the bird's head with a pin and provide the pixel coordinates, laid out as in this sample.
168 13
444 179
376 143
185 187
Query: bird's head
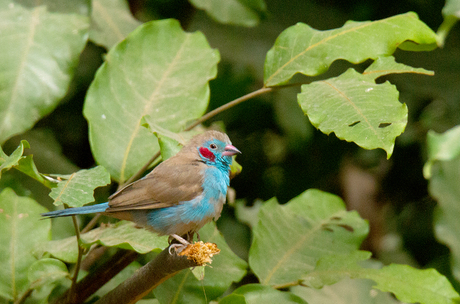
215 148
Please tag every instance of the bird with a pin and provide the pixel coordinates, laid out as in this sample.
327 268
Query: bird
179 196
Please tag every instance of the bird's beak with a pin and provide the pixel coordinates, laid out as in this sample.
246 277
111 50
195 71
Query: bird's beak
230 150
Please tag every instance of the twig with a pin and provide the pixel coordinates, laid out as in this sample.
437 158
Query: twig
141 170
227 106
24 296
72 291
91 223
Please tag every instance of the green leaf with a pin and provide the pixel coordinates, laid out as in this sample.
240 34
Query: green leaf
444 186
356 109
112 21
406 283
78 189
168 146
21 231
387 65
27 166
7 162
301 49
37 62
345 292
451 13
124 235
290 239
44 275
158 70
226 268
65 250
442 147
256 293
238 12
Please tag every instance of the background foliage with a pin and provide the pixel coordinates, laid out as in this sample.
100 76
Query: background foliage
362 113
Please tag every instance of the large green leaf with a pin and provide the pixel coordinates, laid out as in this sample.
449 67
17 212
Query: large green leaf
255 293
225 268
111 22
301 49
158 70
238 12
407 283
39 51
21 231
78 189
290 239
356 109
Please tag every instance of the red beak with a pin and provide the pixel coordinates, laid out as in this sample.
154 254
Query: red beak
230 150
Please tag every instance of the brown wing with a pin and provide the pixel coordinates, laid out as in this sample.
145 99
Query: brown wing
170 183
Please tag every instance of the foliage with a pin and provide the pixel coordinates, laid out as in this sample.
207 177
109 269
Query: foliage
150 96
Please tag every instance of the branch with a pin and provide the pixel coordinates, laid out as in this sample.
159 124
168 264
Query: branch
96 279
164 266
227 106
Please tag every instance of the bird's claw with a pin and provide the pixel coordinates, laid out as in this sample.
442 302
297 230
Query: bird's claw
177 247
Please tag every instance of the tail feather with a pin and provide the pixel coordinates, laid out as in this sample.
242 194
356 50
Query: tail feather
80 210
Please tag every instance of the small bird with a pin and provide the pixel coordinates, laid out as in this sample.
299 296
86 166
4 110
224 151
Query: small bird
179 196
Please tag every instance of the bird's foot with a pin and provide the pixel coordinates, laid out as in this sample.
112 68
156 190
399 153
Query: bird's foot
178 247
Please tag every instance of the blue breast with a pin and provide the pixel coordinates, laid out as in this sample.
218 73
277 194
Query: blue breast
193 214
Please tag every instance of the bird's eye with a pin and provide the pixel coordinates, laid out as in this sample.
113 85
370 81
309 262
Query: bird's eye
213 146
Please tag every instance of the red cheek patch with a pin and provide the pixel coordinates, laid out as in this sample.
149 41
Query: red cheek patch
207 154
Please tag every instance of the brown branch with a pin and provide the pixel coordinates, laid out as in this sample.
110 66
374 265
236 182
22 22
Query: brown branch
164 266
96 279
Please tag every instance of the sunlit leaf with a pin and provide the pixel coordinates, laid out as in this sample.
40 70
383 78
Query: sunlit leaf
39 51
356 109
302 49
158 70
290 239
78 189
21 230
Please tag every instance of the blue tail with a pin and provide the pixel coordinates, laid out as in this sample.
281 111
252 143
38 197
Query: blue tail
74 211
